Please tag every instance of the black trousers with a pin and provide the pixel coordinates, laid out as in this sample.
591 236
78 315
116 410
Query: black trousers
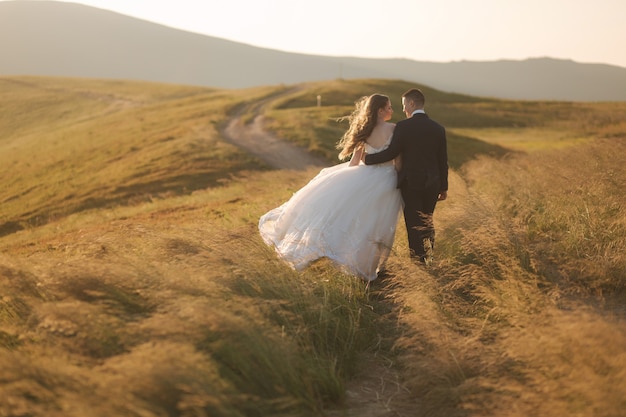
419 206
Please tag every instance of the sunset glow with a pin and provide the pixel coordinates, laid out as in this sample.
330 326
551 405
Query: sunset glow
442 31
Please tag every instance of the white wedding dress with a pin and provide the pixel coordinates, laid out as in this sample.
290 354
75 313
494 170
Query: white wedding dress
347 214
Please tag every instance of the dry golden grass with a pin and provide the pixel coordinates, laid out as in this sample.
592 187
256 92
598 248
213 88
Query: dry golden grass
524 313
568 208
159 297
176 307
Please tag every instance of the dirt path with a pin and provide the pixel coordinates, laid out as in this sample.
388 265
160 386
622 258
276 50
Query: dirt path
274 151
376 391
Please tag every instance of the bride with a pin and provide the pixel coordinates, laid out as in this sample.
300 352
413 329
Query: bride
348 212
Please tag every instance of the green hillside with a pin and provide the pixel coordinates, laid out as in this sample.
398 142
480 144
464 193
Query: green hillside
70 145
133 281
67 145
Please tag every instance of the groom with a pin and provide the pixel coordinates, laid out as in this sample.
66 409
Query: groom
423 175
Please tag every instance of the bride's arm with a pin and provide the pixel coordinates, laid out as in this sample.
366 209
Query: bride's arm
398 162
357 155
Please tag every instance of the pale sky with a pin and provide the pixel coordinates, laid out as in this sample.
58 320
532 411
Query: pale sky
589 31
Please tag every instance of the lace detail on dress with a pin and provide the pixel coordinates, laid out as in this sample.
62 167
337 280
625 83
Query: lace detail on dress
372 150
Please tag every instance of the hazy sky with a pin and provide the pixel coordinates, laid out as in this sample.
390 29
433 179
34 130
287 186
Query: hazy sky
433 30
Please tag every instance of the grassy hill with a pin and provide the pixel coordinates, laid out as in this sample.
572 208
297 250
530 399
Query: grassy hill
69 145
133 281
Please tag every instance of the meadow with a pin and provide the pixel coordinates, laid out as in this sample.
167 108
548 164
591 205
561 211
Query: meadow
133 281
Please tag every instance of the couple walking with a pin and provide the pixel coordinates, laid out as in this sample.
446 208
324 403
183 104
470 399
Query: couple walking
348 212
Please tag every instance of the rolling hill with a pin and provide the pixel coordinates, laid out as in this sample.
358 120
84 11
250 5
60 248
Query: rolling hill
65 39
133 281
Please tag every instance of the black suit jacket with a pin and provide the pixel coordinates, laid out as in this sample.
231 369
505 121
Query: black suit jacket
422 144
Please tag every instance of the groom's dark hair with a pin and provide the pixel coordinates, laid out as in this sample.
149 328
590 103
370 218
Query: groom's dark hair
416 96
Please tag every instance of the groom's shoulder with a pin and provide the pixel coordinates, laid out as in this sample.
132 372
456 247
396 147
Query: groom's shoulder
434 123
404 122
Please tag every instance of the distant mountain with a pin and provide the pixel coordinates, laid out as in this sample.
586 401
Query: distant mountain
66 39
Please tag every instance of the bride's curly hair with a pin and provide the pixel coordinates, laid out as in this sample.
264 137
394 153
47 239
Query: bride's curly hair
362 122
